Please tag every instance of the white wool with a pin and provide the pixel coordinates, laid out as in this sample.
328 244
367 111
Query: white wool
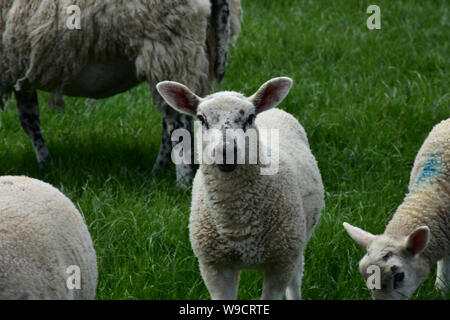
42 234
246 220
35 34
236 18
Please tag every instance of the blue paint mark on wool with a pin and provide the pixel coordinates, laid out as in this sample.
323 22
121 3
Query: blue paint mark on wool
430 169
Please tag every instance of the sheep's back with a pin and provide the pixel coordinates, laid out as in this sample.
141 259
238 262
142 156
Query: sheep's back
432 162
296 160
41 235
159 36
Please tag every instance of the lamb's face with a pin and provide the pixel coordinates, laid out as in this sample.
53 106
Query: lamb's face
225 117
392 268
399 272
228 117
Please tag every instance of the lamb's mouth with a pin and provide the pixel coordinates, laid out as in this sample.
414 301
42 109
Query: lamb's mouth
227 167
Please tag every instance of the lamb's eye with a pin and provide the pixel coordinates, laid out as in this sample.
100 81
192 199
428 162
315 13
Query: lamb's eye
250 120
387 256
398 278
202 120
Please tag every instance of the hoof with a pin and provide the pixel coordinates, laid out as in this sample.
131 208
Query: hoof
184 184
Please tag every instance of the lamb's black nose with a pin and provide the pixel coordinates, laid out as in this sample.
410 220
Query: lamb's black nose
230 162
227 167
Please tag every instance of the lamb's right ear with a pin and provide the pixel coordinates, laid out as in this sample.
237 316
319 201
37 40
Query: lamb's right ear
271 93
179 97
418 240
364 238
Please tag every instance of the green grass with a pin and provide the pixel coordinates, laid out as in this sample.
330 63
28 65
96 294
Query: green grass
367 100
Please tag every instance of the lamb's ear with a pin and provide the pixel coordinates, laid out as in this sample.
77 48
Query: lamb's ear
271 93
363 238
179 97
417 241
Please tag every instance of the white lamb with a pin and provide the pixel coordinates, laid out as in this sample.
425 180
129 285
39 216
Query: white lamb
44 244
418 235
119 45
241 218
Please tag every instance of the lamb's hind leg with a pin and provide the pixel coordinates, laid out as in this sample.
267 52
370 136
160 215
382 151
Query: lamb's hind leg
27 104
443 275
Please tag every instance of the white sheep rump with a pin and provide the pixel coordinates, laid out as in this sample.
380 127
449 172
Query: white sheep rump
42 234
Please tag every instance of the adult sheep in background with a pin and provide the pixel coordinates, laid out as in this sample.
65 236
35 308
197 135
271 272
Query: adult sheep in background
251 214
44 244
418 234
120 44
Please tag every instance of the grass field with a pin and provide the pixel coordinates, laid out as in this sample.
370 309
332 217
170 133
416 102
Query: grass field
367 100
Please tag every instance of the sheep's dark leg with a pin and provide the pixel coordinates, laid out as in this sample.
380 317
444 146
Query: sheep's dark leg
165 148
172 121
185 171
27 103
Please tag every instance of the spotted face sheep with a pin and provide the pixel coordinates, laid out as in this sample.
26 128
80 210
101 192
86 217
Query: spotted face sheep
241 218
46 251
418 234
119 45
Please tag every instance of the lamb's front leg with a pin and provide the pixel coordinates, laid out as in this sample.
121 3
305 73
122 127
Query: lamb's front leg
277 277
222 282
27 104
443 275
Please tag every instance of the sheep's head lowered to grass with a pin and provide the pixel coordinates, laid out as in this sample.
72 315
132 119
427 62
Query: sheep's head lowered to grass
224 114
401 267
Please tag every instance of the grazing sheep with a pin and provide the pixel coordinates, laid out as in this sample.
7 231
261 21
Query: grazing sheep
120 44
418 235
241 218
43 239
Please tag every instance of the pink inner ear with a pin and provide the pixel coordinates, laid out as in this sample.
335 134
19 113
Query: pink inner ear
180 99
418 241
271 94
268 97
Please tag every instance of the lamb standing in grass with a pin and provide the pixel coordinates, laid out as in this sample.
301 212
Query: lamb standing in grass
418 235
42 235
240 218
120 44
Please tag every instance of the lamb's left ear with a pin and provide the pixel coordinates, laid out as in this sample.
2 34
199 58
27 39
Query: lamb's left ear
271 93
179 97
417 241
363 238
